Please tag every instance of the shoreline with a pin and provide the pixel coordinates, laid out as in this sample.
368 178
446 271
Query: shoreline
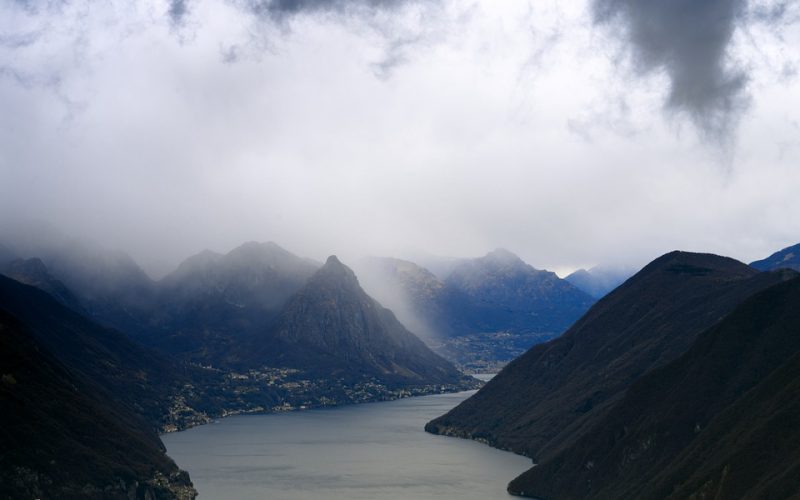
407 393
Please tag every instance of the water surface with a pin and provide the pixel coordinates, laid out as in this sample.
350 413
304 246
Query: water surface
372 451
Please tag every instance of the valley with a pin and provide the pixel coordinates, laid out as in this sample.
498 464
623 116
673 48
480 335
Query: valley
399 250
260 331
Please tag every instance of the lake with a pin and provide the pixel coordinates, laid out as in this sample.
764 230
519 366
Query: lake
376 451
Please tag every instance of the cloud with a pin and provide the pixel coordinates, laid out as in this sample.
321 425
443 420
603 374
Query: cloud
690 41
280 10
178 9
251 128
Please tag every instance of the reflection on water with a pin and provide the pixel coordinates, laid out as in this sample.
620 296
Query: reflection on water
371 451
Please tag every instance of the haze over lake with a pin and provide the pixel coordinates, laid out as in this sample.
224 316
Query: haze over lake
370 451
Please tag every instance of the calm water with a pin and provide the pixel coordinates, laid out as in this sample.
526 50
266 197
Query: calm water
373 451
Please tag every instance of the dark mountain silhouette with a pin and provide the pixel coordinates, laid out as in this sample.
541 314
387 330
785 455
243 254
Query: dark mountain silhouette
599 280
547 399
132 375
61 433
212 300
788 258
333 328
195 312
719 422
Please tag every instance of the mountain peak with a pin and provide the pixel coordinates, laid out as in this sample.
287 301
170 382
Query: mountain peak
697 264
333 261
333 326
335 272
503 255
254 249
33 267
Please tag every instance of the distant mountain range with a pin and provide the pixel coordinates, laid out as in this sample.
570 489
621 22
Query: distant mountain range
260 329
281 332
599 280
500 292
486 311
221 309
497 292
788 258
559 396
479 306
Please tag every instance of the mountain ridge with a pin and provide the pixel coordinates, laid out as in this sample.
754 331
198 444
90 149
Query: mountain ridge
788 258
65 430
681 431
332 322
546 398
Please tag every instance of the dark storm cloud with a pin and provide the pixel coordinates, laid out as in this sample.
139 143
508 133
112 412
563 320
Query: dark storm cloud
280 10
177 11
690 41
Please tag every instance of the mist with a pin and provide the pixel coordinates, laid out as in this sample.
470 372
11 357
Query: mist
357 128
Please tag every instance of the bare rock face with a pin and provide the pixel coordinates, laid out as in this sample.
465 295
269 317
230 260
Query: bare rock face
332 326
212 301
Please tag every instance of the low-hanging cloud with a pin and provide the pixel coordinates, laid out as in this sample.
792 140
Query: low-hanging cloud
690 41
163 127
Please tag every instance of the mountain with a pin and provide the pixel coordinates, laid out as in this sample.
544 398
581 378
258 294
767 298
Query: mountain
6 256
212 300
412 292
486 312
496 292
598 281
332 328
500 292
788 258
62 435
441 267
111 288
719 422
552 395
33 272
134 376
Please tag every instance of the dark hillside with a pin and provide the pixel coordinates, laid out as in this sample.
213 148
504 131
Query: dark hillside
549 397
61 436
719 422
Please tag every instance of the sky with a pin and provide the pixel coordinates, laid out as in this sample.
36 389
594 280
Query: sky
572 133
